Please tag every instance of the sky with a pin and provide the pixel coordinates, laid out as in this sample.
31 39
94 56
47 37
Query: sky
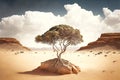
11 7
25 19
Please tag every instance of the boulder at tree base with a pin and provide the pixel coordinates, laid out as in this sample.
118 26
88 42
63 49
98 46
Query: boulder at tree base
56 66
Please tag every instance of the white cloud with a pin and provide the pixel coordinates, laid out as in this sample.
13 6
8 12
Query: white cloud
26 27
112 19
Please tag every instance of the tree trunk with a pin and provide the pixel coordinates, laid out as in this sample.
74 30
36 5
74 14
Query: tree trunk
59 57
62 51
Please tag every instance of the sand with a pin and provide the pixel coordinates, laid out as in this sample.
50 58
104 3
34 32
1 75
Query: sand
95 65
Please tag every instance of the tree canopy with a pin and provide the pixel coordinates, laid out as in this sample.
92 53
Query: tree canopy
61 32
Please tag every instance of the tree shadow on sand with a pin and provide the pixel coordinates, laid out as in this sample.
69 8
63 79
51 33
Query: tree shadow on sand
40 72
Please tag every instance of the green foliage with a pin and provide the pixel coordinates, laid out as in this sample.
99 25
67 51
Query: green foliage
63 33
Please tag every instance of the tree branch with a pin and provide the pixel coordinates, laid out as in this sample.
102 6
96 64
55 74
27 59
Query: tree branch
64 48
56 49
60 43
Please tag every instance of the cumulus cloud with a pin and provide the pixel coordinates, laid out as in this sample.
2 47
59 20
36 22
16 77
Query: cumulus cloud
112 19
25 27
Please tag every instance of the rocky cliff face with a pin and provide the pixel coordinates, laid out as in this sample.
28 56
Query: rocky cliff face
8 41
109 39
11 43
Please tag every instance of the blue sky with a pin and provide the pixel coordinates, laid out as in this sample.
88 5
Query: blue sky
11 7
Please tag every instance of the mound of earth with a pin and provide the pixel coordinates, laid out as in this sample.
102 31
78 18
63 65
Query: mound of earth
106 40
56 66
11 44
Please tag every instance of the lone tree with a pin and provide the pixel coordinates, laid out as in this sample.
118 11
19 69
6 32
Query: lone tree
60 37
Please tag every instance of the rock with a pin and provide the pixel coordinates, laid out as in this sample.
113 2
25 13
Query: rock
11 44
75 69
56 66
110 39
9 40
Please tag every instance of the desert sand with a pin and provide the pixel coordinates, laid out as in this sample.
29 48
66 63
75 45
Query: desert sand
94 64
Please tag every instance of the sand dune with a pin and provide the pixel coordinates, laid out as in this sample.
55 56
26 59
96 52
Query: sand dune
95 65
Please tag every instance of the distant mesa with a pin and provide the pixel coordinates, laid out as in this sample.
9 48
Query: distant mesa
111 40
11 44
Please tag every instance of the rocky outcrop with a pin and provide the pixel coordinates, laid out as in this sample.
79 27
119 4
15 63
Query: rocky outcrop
110 39
56 66
9 40
11 43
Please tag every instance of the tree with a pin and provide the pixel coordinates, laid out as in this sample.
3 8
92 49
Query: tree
60 37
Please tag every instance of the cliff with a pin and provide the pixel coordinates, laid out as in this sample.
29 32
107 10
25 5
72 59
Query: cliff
106 39
11 44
